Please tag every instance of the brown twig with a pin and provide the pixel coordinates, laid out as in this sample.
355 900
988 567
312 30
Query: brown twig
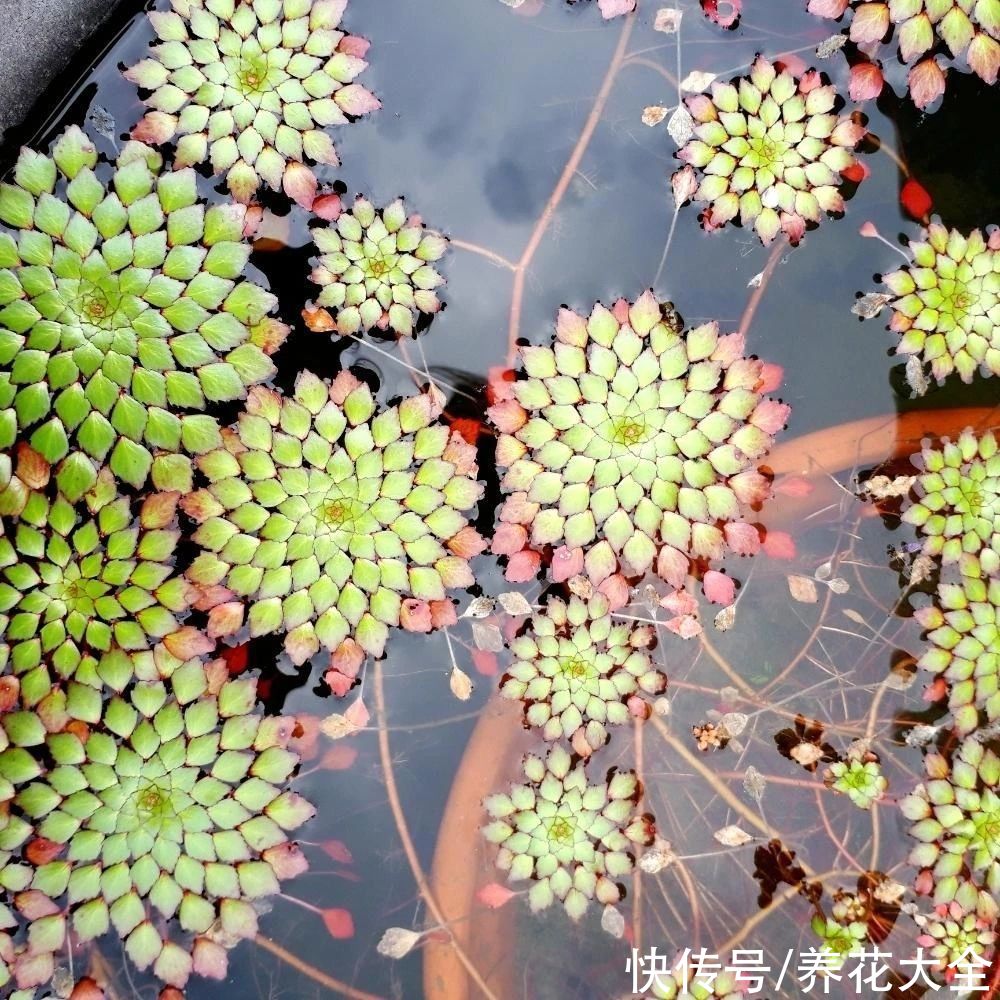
392 792
562 185
318 975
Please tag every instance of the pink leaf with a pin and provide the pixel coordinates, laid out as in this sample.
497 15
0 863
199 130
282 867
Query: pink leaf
300 184
779 545
155 128
210 960
771 377
358 714
719 588
793 486
337 851
866 81
494 895
355 100
672 566
869 230
828 8
797 67
188 642
225 619
523 566
616 589
770 416
353 45
742 538
566 563
926 82
443 614
415 616
328 207
287 860
339 923
485 663
340 757
680 603
615 8
687 626
724 13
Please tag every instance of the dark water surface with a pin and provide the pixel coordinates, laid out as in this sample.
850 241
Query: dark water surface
482 109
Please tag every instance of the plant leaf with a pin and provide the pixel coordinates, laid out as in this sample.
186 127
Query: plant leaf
732 836
612 922
514 603
668 20
487 637
494 895
398 942
461 686
803 589
480 607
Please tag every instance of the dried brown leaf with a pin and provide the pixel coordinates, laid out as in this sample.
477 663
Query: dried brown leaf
803 589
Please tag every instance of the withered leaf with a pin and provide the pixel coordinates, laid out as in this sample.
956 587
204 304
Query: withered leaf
397 942
487 637
514 603
803 589
732 836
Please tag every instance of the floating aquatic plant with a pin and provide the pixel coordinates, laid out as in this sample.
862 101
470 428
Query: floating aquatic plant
173 808
122 307
963 627
860 780
252 87
375 270
954 934
681 984
576 668
969 28
632 444
958 510
947 303
956 817
571 839
85 597
771 151
839 941
332 521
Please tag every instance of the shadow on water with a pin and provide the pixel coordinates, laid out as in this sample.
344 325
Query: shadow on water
482 109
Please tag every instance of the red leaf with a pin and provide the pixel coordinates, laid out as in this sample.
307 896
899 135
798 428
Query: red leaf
339 923
856 172
484 662
915 200
339 758
793 486
337 851
41 851
724 13
10 689
470 428
779 545
358 714
719 588
87 989
494 895
236 657
866 81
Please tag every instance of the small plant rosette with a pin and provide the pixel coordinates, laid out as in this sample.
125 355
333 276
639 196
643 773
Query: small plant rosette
123 315
332 522
166 822
375 271
769 150
570 839
957 506
861 781
578 670
946 304
88 601
963 633
632 445
252 87
955 814
925 33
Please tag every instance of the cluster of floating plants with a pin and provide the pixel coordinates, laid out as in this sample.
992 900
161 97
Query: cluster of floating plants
142 791
252 88
632 444
571 838
770 150
331 522
124 314
946 305
375 270
967 30
577 669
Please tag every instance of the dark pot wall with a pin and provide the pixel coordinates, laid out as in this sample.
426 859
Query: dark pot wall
39 39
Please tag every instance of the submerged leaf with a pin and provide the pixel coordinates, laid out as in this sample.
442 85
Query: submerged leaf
870 305
732 836
514 603
803 589
487 637
398 942
654 114
461 685
612 922
681 125
495 895
668 20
